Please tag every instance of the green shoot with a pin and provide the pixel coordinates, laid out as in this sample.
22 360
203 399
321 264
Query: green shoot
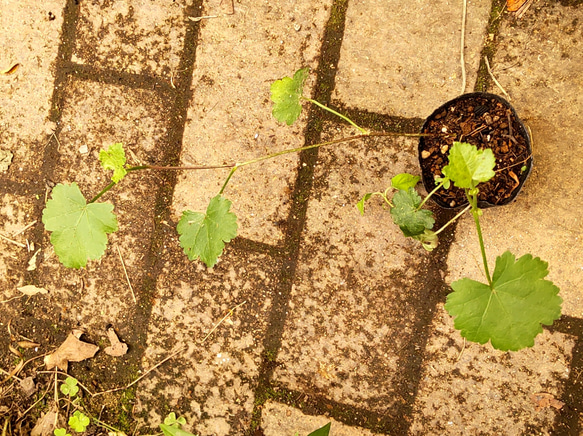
114 158
79 421
322 431
172 426
69 387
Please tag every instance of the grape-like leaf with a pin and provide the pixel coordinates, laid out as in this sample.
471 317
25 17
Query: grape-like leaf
360 204
286 94
407 216
510 313
404 181
469 166
204 235
114 158
79 230
322 431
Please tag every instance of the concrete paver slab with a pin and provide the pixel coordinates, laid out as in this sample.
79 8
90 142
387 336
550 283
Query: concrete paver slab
30 37
230 118
279 419
405 61
133 36
467 388
352 309
213 381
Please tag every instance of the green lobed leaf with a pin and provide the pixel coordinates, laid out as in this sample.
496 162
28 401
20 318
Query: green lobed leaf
60 432
469 166
203 235
360 204
406 215
114 158
511 313
404 181
69 387
174 431
79 230
286 94
322 431
79 421
172 421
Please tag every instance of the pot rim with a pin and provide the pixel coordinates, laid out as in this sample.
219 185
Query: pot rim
430 184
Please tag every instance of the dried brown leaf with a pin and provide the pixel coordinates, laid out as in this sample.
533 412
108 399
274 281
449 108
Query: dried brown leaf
45 424
10 70
542 400
32 290
117 347
28 344
72 350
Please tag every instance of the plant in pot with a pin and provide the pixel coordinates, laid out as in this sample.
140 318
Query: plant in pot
464 160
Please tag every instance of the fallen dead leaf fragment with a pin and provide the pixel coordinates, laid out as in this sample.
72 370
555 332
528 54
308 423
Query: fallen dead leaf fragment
27 385
72 350
10 70
117 347
5 160
32 290
46 424
542 400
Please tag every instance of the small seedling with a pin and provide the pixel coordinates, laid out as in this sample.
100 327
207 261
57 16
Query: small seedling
172 426
61 432
79 421
69 387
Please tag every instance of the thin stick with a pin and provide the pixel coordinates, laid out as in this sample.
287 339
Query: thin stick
494 78
20 244
126 273
9 375
13 298
461 352
463 40
24 229
221 321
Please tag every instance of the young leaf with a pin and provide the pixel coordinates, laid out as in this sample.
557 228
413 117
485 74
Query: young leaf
360 204
469 166
406 215
79 421
172 421
322 431
428 239
203 235
510 313
174 431
60 432
286 94
404 181
79 229
69 387
114 158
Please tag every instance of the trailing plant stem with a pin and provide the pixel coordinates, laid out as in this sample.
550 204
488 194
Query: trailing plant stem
430 194
476 214
453 219
352 123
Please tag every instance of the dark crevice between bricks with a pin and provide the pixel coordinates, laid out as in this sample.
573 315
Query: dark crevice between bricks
177 100
411 357
325 79
568 420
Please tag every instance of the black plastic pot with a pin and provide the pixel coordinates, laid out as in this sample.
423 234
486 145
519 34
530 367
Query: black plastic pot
486 121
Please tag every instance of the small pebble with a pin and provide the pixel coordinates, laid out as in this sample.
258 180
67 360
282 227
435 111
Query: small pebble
425 154
444 149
